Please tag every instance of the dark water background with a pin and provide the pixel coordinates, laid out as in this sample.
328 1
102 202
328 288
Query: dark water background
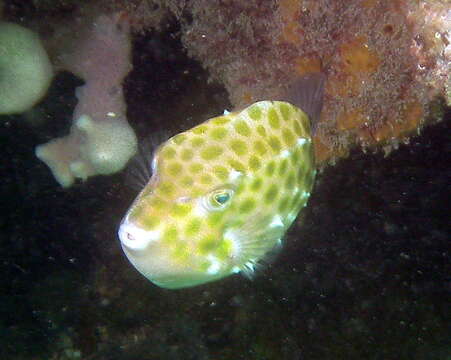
364 274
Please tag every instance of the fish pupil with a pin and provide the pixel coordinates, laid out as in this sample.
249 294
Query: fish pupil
221 199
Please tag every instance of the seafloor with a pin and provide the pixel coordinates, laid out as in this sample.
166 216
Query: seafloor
364 274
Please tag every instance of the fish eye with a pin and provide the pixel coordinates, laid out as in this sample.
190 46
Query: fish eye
218 199
222 198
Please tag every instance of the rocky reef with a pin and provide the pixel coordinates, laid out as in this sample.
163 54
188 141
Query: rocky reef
387 61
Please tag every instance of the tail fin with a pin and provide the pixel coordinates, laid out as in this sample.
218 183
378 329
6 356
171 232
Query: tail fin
306 93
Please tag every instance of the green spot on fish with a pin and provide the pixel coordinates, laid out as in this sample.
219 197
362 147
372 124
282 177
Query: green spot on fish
270 168
285 111
214 218
211 152
236 165
289 183
221 172
158 203
207 244
295 156
181 253
224 250
254 163
256 184
170 235
240 189
260 147
180 210
197 142
271 194
186 155
247 206
150 222
195 168
239 147
206 179
283 167
288 138
275 143
273 118
255 113
218 133
220 120
178 139
298 129
174 168
193 226
187 181
242 128
166 189
283 205
261 130
200 130
169 153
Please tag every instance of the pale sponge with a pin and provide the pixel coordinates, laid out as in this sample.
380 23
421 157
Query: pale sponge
92 148
25 69
100 141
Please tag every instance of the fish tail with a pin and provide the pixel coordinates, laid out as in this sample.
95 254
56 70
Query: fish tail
306 92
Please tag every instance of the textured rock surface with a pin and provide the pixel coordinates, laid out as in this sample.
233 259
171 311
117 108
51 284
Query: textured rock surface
387 61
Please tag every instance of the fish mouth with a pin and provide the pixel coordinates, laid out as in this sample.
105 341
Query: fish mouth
134 237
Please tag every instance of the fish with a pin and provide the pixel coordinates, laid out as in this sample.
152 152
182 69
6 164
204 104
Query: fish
223 194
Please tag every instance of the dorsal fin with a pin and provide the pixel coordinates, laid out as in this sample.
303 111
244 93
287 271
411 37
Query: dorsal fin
306 92
139 169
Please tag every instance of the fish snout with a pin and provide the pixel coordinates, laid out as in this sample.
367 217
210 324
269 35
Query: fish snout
134 237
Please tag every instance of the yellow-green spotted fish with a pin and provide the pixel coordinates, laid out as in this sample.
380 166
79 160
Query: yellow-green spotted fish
223 194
